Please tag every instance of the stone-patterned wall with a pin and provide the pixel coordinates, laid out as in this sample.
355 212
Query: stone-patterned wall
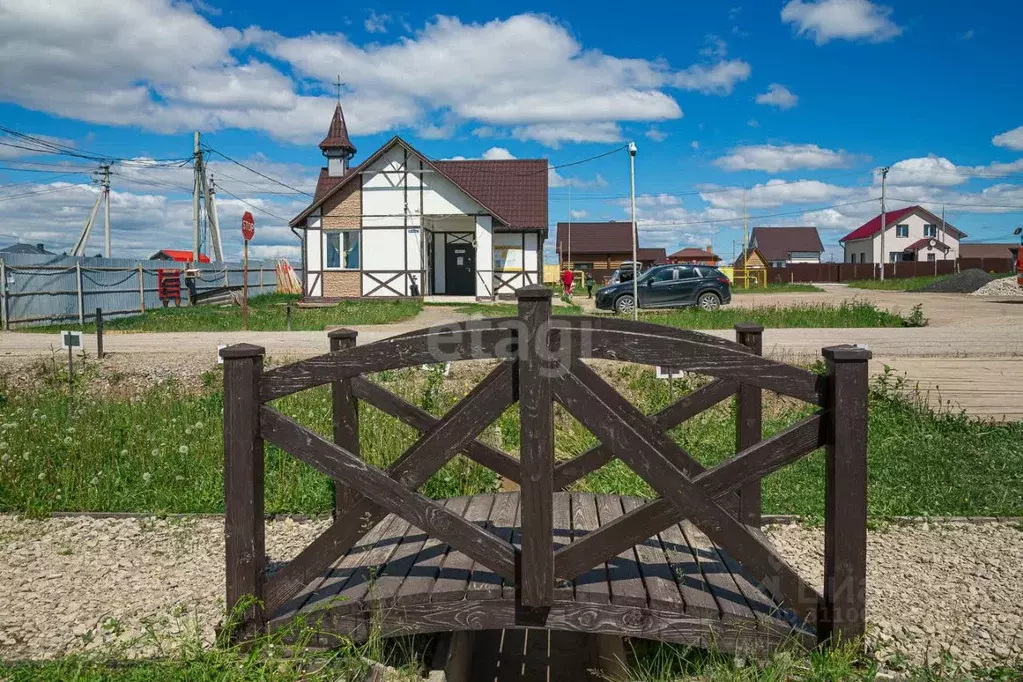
344 209
342 283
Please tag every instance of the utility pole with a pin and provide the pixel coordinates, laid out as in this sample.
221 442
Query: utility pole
197 169
884 216
106 197
570 226
941 237
635 233
745 244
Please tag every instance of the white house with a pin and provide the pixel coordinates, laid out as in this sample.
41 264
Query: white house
400 224
911 234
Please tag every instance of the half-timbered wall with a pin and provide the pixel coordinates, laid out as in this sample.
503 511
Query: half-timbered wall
516 261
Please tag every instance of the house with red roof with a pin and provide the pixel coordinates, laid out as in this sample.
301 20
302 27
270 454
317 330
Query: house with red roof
402 224
178 256
911 234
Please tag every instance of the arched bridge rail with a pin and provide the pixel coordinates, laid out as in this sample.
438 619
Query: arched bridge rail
689 566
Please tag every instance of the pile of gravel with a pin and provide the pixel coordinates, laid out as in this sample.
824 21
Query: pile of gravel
965 282
1004 286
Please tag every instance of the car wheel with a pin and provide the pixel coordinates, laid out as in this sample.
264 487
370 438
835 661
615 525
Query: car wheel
624 305
709 301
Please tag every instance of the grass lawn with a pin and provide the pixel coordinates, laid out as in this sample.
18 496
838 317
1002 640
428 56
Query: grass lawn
891 284
790 288
266 313
847 314
162 451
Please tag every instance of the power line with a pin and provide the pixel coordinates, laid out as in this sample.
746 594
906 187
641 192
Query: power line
252 206
253 170
51 190
758 217
259 189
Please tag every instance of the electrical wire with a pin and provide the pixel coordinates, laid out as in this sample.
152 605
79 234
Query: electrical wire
51 190
253 170
253 206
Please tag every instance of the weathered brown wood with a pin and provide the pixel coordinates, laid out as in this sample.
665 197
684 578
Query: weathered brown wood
624 621
536 446
462 424
752 464
345 411
244 530
375 562
590 585
696 592
406 351
749 430
623 574
510 589
660 584
845 514
650 453
421 420
483 582
417 587
718 578
382 586
563 536
701 357
388 493
686 407
453 580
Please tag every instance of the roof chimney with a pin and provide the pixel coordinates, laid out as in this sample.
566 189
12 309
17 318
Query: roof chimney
40 247
709 248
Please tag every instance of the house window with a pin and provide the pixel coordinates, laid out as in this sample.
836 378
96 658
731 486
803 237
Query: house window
895 256
342 250
584 266
863 257
930 257
902 230
930 230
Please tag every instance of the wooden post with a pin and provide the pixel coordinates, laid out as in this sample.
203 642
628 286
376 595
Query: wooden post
99 333
261 277
81 295
536 435
287 316
845 512
243 479
345 408
3 295
245 287
142 290
749 423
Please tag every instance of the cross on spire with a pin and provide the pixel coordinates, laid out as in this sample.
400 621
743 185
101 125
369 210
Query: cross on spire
338 84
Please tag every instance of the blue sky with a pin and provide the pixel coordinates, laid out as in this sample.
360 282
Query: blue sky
798 102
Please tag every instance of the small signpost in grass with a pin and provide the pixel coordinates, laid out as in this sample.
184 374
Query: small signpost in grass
248 232
70 340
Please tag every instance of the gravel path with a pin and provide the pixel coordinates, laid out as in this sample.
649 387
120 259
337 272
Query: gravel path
79 583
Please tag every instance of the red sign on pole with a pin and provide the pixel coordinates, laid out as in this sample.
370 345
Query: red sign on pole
248 226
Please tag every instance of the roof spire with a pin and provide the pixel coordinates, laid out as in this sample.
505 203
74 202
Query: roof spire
336 143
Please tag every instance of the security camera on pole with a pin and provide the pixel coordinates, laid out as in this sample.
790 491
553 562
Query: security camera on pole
635 233
248 232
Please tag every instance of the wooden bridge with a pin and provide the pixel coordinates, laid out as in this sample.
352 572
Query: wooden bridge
690 566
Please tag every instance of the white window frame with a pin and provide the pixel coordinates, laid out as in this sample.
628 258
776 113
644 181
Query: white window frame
898 228
930 230
327 234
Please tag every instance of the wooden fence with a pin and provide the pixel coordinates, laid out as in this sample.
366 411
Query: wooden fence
540 363
847 272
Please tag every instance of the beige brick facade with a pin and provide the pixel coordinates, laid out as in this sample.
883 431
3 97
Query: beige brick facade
344 209
341 283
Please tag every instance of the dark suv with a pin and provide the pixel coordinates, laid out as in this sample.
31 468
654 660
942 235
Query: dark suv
669 286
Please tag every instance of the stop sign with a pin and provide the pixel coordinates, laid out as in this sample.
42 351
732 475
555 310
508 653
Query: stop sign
248 226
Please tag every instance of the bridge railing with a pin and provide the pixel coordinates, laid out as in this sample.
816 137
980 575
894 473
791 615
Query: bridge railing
541 363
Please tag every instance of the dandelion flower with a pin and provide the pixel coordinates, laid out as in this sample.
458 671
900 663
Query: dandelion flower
147 477
68 440
188 430
70 429
5 458
42 475
183 449
124 453
156 452
94 481
179 478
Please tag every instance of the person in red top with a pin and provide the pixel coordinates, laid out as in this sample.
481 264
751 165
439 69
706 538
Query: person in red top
566 280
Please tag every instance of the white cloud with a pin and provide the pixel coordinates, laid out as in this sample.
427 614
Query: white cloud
578 213
753 123
780 158
553 134
556 179
826 20
929 170
695 145
967 35
495 153
656 134
716 79
376 23
775 193
778 95
716 47
1012 139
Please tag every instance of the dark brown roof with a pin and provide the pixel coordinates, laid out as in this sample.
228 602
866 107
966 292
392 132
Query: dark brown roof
693 252
924 243
776 243
651 255
503 184
1008 251
739 261
515 188
325 183
337 136
612 237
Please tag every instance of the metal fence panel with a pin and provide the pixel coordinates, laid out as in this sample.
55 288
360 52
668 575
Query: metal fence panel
39 289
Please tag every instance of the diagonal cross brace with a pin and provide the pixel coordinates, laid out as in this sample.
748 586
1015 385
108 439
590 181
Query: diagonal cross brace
460 426
652 455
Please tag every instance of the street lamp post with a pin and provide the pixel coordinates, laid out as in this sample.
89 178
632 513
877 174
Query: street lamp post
635 233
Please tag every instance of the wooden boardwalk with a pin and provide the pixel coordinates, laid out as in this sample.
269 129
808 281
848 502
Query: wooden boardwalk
403 582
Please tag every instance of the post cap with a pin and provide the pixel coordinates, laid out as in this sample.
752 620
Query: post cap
749 328
242 350
847 353
342 333
534 292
